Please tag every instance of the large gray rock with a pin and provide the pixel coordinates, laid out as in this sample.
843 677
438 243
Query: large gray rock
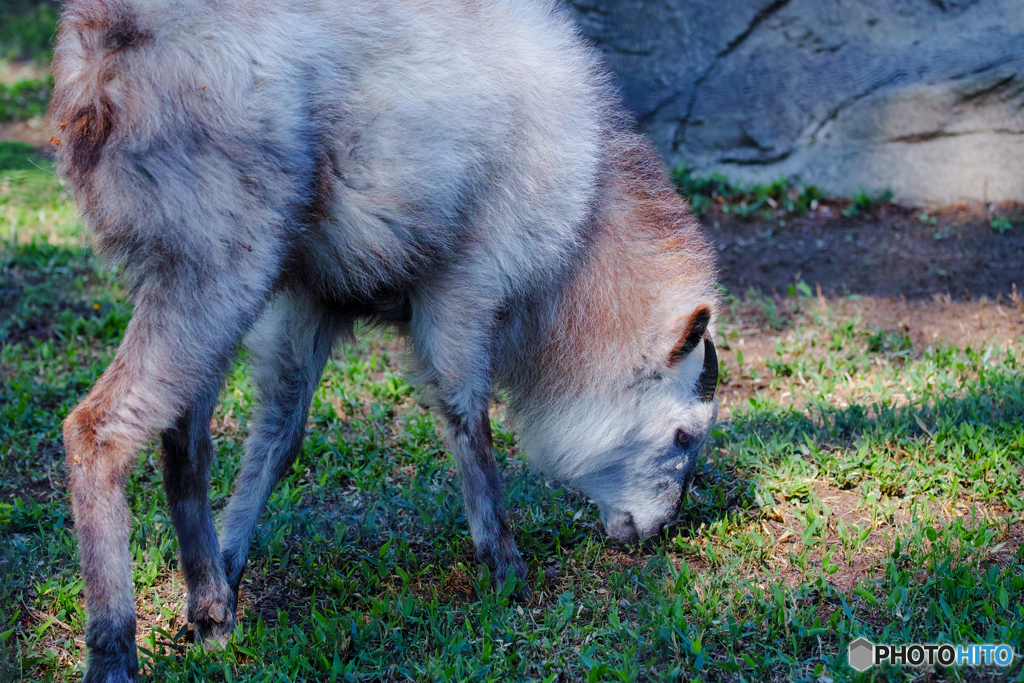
925 97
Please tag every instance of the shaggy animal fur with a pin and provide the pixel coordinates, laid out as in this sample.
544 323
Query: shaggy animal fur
273 171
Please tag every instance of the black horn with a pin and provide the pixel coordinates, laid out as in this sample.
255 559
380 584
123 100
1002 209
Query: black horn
708 379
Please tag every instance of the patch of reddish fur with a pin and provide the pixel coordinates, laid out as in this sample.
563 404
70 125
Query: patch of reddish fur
85 108
649 270
96 455
98 458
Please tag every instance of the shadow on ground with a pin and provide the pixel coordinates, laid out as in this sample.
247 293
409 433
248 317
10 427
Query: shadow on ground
963 251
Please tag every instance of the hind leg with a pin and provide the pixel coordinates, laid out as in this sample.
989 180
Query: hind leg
179 337
188 454
288 348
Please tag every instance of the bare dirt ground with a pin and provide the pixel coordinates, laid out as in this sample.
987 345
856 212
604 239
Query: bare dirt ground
12 72
35 132
939 277
894 251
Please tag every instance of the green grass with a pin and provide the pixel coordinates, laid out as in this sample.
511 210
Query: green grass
867 202
27 28
25 99
765 199
882 497
743 199
17 156
1001 224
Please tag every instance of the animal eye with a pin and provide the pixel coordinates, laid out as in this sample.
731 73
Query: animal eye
682 439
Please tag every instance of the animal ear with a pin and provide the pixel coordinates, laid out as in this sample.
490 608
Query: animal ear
693 333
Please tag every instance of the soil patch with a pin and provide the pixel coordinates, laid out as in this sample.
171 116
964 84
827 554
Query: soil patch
893 251
35 132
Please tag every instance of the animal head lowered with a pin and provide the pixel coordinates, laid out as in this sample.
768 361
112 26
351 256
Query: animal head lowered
626 397
633 450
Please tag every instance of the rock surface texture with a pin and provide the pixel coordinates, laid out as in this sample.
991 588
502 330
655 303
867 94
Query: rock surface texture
925 97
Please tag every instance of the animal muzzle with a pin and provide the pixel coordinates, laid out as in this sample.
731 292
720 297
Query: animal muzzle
670 520
623 528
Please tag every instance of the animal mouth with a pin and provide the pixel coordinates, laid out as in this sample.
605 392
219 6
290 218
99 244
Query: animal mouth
622 528
661 527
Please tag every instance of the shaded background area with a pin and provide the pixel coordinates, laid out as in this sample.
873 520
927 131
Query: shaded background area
922 96
26 28
890 252
26 31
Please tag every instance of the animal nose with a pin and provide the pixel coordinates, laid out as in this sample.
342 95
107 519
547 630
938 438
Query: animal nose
622 528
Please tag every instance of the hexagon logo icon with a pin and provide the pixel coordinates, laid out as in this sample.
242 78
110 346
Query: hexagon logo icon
862 654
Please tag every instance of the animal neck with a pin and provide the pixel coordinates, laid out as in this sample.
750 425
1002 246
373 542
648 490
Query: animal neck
647 265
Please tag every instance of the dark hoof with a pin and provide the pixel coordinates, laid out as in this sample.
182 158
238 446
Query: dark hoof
214 621
522 593
512 567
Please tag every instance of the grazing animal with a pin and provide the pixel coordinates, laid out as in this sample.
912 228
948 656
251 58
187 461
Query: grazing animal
267 173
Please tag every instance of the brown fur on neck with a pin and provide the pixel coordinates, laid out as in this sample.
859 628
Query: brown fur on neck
649 267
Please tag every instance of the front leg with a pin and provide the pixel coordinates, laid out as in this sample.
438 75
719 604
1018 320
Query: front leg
143 391
469 438
453 328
